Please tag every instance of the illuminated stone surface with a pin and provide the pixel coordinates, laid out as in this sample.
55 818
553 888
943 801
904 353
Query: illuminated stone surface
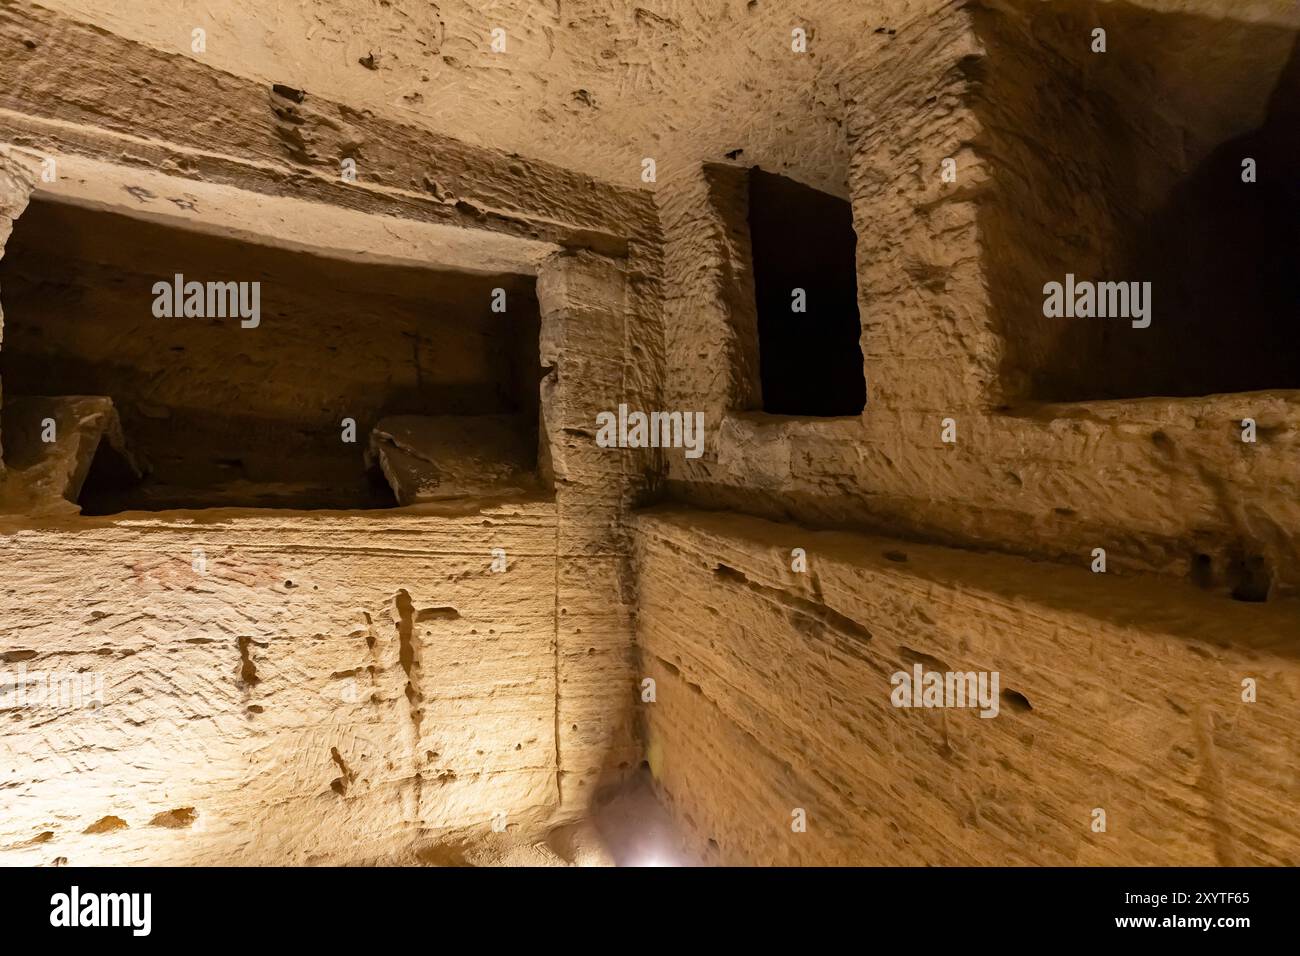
302 662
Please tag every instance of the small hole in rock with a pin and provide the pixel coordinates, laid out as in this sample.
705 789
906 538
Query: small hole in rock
1016 701
1251 579
1202 570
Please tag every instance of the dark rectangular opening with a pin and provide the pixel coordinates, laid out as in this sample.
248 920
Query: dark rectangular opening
224 415
806 291
1180 185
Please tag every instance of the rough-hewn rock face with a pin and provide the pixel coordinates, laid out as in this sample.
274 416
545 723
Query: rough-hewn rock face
299 689
1158 483
773 693
953 333
329 687
339 686
589 86
431 458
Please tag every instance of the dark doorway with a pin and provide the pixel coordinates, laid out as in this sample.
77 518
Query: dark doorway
810 361
1224 254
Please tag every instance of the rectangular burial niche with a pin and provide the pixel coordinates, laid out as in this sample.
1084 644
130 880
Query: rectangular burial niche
1181 169
223 415
810 361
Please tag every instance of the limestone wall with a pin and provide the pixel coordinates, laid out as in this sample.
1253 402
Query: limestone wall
1123 689
773 693
222 738
771 676
1157 482
305 689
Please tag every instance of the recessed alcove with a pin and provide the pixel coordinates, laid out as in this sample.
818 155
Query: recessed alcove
225 412
1168 159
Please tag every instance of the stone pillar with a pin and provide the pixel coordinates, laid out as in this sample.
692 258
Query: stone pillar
928 339
711 320
584 302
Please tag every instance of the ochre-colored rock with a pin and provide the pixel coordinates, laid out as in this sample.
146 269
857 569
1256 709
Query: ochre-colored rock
314 550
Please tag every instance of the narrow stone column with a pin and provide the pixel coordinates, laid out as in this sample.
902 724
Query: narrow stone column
584 307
